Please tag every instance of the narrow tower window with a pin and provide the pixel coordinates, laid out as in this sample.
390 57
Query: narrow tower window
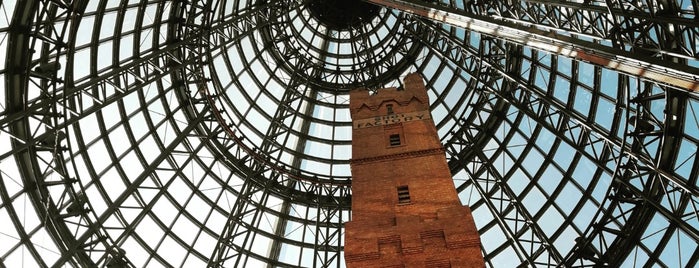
394 139
389 107
403 194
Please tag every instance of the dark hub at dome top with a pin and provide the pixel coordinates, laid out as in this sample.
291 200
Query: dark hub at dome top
342 14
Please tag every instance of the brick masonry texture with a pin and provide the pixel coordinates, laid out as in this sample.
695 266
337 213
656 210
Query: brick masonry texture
432 229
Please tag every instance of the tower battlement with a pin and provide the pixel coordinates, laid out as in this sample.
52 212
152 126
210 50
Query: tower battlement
411 97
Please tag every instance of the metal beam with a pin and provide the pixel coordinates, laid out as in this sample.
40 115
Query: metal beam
665 73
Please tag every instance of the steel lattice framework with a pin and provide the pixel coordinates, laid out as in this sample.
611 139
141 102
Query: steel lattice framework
217 133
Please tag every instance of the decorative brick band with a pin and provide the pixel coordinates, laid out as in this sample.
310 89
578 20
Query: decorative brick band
389 239
438 263
362 257
397 156
471 242
432 234
412 250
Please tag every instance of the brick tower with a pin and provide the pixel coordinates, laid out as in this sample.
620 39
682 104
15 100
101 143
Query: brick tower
405 210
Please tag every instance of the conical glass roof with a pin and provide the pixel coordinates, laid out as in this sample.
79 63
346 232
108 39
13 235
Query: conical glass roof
217 133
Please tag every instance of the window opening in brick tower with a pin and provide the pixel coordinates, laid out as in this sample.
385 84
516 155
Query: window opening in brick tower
403 194
394 139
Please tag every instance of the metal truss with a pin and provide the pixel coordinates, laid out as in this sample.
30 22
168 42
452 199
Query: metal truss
641 187
263 177
620 225
39 132
680 76
297 56
653 28
515 220
62 104
534 100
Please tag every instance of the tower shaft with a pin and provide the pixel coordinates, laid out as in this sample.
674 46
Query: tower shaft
405 210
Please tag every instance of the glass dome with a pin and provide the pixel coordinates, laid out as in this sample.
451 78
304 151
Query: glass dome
217 133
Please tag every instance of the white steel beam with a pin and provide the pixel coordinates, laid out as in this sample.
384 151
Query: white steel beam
666 73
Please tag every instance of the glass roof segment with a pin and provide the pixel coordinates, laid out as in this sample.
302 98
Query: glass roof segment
160 133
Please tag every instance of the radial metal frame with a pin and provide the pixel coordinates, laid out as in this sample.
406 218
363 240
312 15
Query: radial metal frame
639 150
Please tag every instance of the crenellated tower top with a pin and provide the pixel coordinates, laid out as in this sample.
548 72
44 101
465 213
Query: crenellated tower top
412 97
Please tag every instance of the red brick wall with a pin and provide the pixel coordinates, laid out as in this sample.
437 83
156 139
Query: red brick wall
433 229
